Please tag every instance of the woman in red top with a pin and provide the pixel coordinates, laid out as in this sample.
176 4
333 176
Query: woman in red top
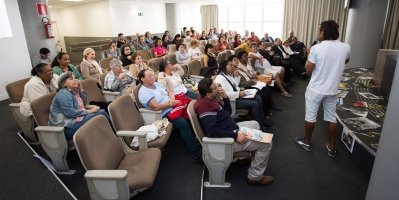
222 44
159 50
237 40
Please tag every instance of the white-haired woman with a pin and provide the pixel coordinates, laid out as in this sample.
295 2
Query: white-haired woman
89 66
119 79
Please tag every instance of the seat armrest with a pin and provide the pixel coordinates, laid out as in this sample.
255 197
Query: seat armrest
110 96
106 174
233 108
108 184
144 110
53 142
150 116
142 137
14 105
217 140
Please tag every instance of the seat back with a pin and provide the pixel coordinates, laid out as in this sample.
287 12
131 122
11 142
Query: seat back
102 79
104 64
202 43
171 58
15 90
92 91
172 49
125 115
221 57
194 121
154 64
97 145
41 108
146 55
194 67
136 95
202 48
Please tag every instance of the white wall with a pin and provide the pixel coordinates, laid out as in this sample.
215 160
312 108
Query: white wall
189 16
14 54
125 18
85 20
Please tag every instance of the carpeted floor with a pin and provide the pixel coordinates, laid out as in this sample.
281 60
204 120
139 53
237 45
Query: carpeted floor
298 174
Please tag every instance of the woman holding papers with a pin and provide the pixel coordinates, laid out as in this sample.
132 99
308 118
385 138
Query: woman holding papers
262 89
229 82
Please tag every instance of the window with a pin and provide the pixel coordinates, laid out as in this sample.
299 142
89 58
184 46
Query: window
5 30
259 16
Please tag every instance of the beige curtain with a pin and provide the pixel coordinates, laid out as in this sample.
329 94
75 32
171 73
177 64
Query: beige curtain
303 17
391 36
209 17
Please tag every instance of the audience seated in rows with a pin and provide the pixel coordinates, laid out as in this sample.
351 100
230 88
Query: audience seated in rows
237 40
211 35
89 66
294 64
137 66
182 56
248 83
149 40
69 108
43 82
159 50
113 51
203 36
216 122
119 79
61 64
222 44
43 57
265 67
129 43
254 38
153 96
141 44
267 38
229 82
126 56
177 40
121 40
193 52
170 76
209 61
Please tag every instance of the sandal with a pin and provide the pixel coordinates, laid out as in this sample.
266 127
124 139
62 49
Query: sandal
288 95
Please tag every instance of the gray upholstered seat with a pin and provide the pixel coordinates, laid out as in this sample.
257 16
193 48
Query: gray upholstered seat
126 116
112 173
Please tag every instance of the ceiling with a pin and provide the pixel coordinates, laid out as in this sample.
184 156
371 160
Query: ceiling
63 4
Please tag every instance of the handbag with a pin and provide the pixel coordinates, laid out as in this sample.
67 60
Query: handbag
180 109
266 78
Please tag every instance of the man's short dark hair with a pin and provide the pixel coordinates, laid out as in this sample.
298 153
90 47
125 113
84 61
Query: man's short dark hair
44 51
330 30
204 86
231 57
120 34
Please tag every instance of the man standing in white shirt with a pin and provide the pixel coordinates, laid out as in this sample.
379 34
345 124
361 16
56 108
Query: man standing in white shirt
326 63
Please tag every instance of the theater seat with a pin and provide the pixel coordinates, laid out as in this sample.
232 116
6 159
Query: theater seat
15 91
52 138
125 116
217 153
112 173
149 116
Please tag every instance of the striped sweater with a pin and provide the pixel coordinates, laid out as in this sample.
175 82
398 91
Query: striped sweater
216 120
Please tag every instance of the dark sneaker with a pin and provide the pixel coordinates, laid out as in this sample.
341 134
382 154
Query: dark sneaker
265 180
331 152
302 143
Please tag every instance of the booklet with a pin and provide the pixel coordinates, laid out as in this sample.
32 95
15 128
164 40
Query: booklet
257 135
249 93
